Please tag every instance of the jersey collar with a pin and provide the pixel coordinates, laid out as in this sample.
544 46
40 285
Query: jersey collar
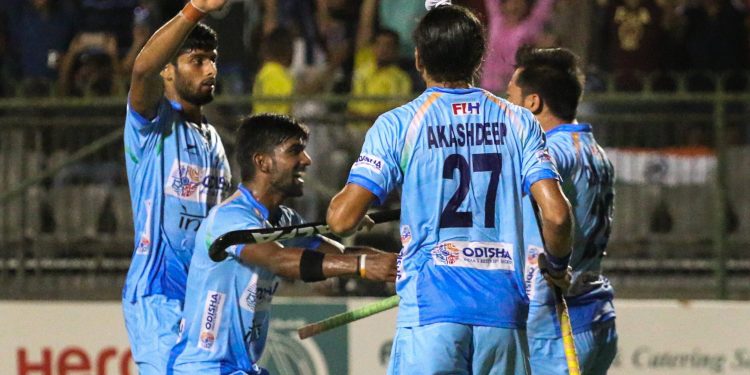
586 128
260 208
454 91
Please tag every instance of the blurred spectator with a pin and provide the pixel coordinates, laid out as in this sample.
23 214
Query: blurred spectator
376 72
274 79
511 23
114 17
571 26
716 39
39 34
636 40
402 17
91 66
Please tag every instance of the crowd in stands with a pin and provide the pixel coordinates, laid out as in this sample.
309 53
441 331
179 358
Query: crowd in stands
279 48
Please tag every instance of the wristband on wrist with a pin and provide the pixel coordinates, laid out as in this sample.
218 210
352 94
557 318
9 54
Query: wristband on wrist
311 266
557 264
361 262
192 13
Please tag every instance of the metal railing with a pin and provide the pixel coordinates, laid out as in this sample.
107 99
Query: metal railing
67 211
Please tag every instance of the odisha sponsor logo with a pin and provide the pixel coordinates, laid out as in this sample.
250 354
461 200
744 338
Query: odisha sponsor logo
446 253
405 235
207 339
186 181
372 161
486 252
211 311
216 183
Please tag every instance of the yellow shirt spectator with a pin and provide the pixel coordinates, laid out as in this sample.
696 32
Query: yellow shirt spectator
273 80
369 80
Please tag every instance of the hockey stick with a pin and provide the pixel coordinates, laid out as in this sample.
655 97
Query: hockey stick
569 345
217 251
338 320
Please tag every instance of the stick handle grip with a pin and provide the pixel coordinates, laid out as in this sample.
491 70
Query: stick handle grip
569 346
338 320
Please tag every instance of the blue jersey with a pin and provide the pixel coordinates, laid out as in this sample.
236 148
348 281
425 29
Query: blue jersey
176 173
227 306
463 158
587 181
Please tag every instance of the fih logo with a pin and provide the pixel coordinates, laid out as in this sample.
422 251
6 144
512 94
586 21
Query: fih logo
446 253
287 354
462 109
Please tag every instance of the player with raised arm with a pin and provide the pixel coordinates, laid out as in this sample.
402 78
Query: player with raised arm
228 303
463 159
549 83
177 170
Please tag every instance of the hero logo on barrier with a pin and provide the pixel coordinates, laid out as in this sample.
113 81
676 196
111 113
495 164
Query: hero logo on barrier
73 359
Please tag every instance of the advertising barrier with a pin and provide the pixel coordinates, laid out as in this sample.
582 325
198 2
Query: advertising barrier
88 338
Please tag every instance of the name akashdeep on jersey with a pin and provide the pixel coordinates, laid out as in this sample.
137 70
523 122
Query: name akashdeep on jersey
588 183
176 173
463 159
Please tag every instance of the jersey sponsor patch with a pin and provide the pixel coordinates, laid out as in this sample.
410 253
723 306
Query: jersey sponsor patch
478 255
211 320
531 267
193 183
370 162
405 235
258 294
465 108
543 156
144 244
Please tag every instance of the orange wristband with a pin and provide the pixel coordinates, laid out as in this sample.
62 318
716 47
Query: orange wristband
192 13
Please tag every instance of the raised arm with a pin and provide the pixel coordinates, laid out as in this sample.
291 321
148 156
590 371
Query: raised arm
366 24
146 87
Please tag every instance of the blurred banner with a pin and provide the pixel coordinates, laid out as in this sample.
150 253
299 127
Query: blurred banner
663 166
656 337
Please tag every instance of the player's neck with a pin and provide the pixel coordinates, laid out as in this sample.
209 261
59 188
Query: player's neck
429 82
550 121
264 194
192 112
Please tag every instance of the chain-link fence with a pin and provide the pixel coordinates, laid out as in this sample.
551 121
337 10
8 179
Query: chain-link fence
681 227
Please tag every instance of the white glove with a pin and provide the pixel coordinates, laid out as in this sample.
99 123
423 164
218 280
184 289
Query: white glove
431 4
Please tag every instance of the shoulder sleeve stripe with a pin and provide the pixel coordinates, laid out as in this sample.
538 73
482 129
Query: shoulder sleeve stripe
504 107
413 130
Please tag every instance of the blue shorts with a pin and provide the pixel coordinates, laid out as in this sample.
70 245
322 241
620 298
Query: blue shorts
596 349
452 348
152 323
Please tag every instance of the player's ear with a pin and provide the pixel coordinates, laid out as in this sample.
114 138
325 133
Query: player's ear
168 72
262 162
534 103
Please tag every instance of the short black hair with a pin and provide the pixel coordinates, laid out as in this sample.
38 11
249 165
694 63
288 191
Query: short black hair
201 38
261 133
451 43
554 75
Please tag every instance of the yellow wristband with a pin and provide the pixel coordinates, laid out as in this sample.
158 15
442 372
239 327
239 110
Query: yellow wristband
192 13
361 265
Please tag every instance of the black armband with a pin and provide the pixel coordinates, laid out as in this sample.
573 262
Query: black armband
558 264
311 266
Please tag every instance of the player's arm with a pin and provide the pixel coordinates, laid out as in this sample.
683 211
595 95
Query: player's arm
310 266
555 216
146 88
348 208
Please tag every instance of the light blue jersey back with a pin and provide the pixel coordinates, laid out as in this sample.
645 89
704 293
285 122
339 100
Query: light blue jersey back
588 182
227 305
463 159
176 173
